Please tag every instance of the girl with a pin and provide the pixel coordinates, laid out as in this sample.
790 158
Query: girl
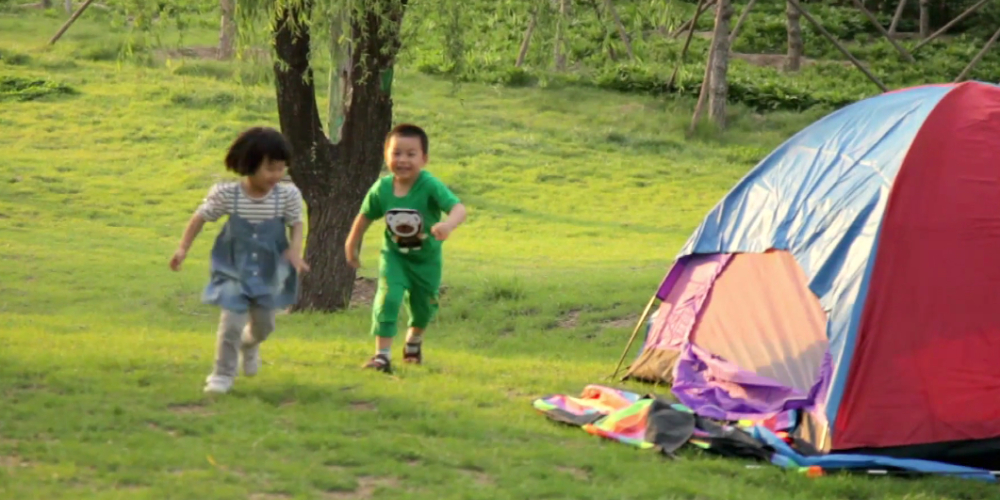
254 269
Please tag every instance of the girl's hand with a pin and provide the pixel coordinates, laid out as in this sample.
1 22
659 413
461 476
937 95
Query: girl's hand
297 262
177 259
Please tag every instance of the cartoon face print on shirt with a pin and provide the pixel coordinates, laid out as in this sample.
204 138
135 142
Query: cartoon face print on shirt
407 228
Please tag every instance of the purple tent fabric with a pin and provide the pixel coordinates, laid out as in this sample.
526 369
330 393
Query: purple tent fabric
719 389
711 385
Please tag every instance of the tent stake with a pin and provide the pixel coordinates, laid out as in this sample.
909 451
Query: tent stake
642 319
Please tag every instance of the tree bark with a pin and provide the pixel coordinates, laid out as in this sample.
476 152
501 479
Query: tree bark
559 55
622 33
339 85
227 29
334 177
739 22
719 85
793 59
925 18
699 10
526 41
896 16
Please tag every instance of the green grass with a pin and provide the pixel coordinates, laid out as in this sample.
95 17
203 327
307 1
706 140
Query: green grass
578 201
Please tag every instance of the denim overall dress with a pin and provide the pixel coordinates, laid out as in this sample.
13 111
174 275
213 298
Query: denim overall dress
247 263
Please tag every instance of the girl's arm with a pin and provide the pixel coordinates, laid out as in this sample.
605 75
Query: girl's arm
194 227
190 233
295 246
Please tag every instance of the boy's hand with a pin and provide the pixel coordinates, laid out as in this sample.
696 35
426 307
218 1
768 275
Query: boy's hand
442 230
297 262
352 257
177 259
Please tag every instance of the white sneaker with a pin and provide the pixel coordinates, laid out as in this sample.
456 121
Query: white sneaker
218 385
250 360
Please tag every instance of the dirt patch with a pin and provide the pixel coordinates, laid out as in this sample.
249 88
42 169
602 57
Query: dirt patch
626 322
777 61
205 52
189 409
366 488
362 405
576 472
156 427
481 478
269 496
12 461
364 291
570 319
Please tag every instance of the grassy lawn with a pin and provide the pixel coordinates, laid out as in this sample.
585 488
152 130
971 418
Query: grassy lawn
578 201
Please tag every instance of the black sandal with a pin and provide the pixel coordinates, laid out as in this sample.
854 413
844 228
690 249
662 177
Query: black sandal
412 353
380 363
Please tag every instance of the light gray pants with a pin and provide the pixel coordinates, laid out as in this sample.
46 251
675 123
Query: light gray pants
244 330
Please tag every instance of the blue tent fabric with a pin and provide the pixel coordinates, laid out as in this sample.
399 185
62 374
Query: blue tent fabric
785 456
821 196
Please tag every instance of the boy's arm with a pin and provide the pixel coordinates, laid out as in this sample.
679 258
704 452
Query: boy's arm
450 204
352 247
456 216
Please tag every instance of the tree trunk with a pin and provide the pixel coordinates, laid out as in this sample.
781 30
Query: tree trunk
896 16
526 41
925 18
333 177
719 85
45 4
622 33
339 85
559 55
227 29
793 60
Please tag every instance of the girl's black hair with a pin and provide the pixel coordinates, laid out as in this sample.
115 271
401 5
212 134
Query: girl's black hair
253 146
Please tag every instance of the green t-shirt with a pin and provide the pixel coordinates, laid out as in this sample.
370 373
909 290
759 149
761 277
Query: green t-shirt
409 219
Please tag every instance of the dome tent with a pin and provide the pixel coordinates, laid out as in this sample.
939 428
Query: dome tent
848 288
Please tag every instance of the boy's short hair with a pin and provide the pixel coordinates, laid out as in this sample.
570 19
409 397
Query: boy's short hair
253 146
408 130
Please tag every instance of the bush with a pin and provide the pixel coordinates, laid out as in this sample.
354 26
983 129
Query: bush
598 57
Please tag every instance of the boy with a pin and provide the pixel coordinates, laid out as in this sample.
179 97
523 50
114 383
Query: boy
411 200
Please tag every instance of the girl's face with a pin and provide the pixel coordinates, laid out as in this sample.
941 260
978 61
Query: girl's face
268 175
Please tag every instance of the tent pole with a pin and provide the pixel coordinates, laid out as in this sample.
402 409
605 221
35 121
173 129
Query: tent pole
642 319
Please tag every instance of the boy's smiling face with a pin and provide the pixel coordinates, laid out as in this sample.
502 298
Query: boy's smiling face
405 157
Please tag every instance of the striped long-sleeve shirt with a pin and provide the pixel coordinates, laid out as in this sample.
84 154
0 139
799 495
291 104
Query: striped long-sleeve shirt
220 202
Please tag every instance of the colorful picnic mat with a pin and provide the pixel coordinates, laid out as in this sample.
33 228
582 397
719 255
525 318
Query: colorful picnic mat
652 422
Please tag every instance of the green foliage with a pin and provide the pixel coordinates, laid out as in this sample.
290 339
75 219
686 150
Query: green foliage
478 41
15 88
598 58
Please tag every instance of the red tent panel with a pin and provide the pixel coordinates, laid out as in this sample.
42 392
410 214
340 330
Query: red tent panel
927 362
